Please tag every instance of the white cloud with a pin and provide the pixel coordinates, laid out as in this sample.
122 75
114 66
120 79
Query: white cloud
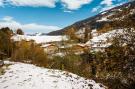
1 2
68 11
107 2
67 4
7 18
28 28
74 4
38 27
33 3
96 9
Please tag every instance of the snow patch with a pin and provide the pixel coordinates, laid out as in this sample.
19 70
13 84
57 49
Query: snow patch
101 40
103 19
27 76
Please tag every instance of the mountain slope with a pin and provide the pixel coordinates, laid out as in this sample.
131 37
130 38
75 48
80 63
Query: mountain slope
123 12
27 76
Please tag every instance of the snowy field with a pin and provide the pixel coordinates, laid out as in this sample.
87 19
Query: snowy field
27 76
39 39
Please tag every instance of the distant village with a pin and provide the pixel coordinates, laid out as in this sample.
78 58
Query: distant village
60 45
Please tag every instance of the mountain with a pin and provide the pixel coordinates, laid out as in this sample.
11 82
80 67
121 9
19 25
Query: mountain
36 34
111 17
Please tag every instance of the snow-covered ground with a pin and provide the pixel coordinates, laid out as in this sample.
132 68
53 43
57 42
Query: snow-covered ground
100 42
39 39
27 76
103 19
104 37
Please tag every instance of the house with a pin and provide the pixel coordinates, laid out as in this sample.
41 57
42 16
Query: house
73 48
79 48
50 48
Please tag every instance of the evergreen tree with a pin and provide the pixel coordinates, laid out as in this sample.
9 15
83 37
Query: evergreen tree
6 44
20 32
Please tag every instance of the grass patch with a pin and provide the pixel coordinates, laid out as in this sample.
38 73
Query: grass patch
3 68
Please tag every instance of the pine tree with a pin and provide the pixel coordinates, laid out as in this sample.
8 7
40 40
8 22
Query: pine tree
20 32
6 44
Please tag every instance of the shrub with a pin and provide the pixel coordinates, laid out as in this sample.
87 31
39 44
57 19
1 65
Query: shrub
70 62
29 52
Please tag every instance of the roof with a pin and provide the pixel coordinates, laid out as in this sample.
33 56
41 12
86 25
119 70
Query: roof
47 45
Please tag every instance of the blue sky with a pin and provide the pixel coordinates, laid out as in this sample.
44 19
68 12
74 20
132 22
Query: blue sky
49 15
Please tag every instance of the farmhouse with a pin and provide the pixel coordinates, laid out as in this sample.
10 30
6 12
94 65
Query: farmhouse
79 48
50 48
